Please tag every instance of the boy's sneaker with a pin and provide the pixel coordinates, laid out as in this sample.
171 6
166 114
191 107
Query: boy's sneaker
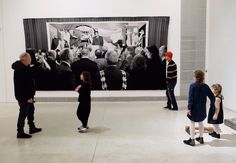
23 136
200 140
190 142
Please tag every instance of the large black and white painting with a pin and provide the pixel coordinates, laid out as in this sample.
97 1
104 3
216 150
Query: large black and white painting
121 53
104 34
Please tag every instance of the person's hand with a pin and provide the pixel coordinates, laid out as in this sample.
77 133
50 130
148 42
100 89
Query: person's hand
189 112
77 88
215 117
41 59
30 100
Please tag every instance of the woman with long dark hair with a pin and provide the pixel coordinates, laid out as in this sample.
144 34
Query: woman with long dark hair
84 99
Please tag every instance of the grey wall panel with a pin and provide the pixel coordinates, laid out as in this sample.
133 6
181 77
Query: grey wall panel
193 41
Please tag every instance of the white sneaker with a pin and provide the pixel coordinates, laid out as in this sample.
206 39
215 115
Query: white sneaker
83 130
80 127
83 127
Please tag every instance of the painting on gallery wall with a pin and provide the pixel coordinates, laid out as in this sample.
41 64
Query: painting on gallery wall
120 53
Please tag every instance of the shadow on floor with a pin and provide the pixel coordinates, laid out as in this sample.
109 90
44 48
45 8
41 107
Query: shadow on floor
98 129
226 140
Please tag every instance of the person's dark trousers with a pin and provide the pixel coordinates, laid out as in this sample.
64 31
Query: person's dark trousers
30 117
170 95
26 110
168 99
83 112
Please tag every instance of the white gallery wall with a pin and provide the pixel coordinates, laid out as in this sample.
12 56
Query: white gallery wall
221 43
12 13
2 60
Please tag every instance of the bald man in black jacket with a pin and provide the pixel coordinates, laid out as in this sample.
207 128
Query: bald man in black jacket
24 85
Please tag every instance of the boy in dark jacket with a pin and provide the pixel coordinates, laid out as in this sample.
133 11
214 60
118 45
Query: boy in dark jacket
24 85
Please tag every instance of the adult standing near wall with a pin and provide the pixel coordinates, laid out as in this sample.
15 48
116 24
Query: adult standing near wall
171 80
24 85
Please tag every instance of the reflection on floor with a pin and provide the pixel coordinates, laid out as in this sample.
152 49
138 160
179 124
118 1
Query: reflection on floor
120 132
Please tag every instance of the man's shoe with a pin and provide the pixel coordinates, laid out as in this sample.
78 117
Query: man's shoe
190 142
200 140
34 130
23 136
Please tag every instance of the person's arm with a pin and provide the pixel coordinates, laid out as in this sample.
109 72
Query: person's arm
217 108
46 64
77 89
190 99
102 41
211 97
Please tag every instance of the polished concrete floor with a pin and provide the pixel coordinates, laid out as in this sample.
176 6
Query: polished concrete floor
120 132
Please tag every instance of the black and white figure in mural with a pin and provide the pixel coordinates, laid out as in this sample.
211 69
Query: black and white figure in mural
116 53
112 78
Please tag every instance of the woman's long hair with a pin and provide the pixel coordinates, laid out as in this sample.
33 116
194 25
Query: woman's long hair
87 77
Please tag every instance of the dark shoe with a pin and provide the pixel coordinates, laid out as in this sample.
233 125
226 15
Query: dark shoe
34 130
212 133
23 136
190 142
167 107
215 135
173 108
200 140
